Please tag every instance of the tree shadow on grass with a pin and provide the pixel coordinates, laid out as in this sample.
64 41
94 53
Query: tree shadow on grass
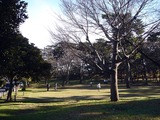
27 114
41 100
122 110
131 110
142 91
63 99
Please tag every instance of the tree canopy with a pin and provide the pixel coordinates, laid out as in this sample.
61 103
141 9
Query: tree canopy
13 13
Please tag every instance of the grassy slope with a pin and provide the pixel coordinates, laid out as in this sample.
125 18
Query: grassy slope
80 102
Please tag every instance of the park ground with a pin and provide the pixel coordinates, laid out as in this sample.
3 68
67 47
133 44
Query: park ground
82 102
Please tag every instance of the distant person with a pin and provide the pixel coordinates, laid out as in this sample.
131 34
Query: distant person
28 84
48 86
56 86
16 91
98 86
105 81
91 84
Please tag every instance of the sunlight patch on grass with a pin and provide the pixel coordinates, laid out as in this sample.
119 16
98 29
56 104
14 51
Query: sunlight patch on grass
4 115
90 113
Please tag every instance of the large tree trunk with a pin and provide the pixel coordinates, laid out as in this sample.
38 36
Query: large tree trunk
9 95
114 84
128 74
114 73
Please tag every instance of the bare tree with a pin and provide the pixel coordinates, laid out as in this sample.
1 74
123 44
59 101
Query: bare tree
112 20
65 59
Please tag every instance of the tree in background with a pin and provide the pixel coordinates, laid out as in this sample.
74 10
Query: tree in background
152 47
65 60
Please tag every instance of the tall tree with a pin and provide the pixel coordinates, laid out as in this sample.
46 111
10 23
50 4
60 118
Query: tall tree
13 13
22 60
112 20
18 57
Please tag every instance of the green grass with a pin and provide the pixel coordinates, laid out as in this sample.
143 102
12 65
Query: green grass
80 102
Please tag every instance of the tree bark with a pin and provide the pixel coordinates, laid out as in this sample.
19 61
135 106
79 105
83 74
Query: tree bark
9 95
128 74
114 73
114 84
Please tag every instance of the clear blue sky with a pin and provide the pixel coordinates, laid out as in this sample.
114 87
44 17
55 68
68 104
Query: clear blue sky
41 18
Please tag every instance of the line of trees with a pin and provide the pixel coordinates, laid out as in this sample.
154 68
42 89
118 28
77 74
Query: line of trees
73 61
124 25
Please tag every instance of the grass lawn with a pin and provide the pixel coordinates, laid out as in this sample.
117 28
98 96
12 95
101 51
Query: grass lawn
81 102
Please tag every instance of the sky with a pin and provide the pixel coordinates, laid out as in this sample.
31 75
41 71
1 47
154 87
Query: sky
41 18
